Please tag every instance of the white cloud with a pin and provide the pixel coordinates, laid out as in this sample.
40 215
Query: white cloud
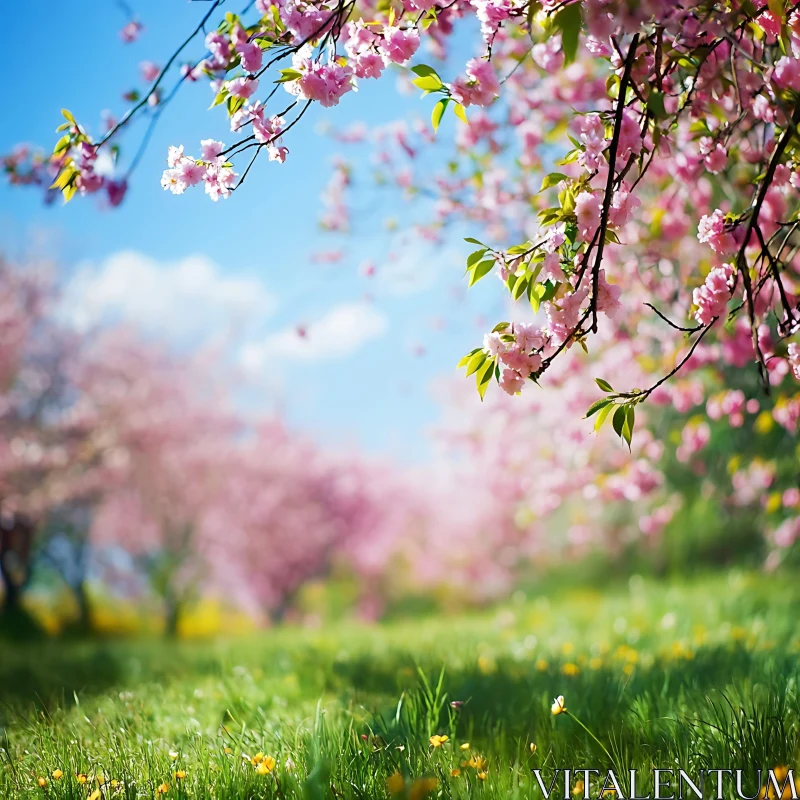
414 268
184 299
338 333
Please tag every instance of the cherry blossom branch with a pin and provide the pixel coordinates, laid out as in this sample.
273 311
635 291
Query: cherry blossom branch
130 113
752 223
672 324
643 394
612 163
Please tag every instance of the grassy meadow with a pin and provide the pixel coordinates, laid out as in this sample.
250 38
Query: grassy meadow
697 674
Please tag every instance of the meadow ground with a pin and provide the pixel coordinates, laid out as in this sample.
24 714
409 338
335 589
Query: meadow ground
698 674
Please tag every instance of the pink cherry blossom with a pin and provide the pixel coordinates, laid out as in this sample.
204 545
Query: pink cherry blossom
210 149
131 31
479 88
242 87
398 45
787 73
149 71
251 56
794 359
712 297
712 230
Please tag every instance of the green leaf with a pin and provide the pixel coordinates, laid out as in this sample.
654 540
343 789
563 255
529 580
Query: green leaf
424 71
65 126
68 116
597 405
67 175
430 83
234 104
778 8
62 144
480 270
550 290
535 295
476 362
464 361
474 241
655 105
69 191
533 8
438 112
627 428
552 179
483 376
222 96
474 258
289 75
571 156
603 416
486 371
518 249
568 21
618 420
429 18
604 385
460 112
519 287
500 327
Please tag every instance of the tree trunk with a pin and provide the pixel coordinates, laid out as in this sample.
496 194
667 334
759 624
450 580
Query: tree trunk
82 625
84 606
16 536
173 608
11 592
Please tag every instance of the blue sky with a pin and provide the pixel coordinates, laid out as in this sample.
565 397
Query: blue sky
189 269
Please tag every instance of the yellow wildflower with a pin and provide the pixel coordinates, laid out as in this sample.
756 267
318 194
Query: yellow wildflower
558 706
541 665
57 774
578 787
81 777
266 765
454 773
163 789
257 759
395 783
465 746
533 747
780 774
421 788
42 782
570 669
487 664
481 776
438 741
180 774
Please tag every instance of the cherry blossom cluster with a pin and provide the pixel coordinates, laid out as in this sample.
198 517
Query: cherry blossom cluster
667 227
211 169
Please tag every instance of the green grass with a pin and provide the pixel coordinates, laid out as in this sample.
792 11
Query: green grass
697 675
